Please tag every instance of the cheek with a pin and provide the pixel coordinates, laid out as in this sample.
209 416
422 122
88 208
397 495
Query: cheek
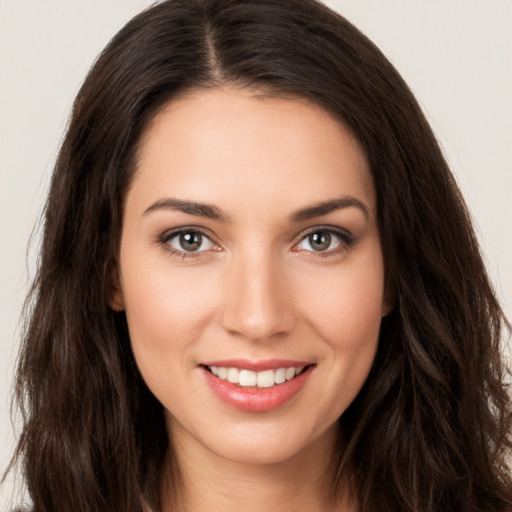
345 310
165 311
348 298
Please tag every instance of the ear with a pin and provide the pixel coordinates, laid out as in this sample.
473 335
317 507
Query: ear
115 296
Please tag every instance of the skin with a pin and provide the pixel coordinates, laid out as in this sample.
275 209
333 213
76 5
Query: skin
256 289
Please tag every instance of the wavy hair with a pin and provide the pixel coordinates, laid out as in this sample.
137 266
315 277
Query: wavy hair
431 428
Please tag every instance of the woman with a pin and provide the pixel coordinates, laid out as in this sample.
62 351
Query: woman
259 286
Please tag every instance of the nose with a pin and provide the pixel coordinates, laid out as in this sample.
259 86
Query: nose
258 305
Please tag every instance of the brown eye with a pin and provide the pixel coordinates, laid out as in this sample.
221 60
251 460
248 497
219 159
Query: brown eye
320 241
324 240
190 241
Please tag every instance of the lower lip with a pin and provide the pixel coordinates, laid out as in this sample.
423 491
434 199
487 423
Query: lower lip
254 399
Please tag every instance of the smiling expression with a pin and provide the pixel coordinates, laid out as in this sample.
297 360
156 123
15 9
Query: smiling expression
251 272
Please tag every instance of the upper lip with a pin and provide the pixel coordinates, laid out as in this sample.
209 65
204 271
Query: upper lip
257 366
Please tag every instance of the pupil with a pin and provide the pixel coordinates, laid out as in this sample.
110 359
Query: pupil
320 241
190 241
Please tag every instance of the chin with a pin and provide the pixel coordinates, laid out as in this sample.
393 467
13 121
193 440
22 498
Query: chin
262 439
261 451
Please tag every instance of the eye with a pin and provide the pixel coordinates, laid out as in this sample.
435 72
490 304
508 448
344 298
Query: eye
324 240
190 241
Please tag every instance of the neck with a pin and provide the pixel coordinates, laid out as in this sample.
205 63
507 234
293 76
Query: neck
304 482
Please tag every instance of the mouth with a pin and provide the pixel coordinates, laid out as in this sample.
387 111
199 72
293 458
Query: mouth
261 379
257 387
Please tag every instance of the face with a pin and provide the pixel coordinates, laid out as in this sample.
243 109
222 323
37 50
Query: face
251 272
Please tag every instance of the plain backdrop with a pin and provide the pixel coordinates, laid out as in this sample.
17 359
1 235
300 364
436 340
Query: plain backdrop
455 55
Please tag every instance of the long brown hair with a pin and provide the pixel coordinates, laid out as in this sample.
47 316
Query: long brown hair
431 428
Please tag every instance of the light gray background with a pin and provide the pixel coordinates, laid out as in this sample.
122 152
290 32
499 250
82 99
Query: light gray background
455 55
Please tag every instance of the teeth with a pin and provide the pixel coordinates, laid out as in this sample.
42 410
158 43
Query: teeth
265 379
233 375
248 378
280 376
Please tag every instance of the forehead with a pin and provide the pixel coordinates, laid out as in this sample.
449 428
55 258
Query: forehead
217 145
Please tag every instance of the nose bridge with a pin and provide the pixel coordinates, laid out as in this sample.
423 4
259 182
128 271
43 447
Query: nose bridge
257 306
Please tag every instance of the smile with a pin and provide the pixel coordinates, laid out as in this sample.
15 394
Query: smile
257 387
249 378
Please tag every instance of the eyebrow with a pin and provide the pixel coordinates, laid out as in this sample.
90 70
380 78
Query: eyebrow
213 212
325 207
191 207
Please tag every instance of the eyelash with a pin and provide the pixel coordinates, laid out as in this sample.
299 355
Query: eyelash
347 240
166 237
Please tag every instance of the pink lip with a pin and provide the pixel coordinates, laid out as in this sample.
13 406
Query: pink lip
254 399
256 366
